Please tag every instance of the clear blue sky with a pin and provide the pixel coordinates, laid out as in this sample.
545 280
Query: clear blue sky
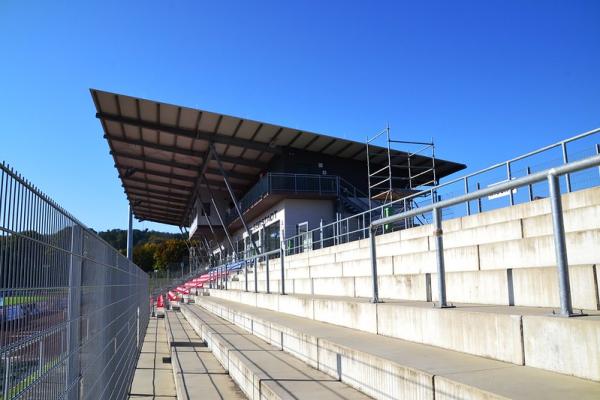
487 80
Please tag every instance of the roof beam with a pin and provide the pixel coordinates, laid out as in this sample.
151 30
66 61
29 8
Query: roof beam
192 134
164 193
156 201
185 152
134 195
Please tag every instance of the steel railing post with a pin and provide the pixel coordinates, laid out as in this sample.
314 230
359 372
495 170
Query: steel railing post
373 255
529 187
509 178
439 250
321 232
268 283
225 275
563 146
598 153
560 246
478 200
468 203
74 308
245 275
255 270
282 265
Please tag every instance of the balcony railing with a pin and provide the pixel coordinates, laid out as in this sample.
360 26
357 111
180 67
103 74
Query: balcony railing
279 183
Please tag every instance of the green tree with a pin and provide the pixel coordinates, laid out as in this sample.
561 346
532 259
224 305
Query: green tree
170 251
143 256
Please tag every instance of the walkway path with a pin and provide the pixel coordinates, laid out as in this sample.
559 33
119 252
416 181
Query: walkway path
153 377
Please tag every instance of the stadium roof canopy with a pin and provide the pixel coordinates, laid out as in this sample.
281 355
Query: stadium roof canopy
166 154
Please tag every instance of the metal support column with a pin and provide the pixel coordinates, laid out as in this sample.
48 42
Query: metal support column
560 246
214 203
529 187
246 275
130 235
233 198
373 245
439 249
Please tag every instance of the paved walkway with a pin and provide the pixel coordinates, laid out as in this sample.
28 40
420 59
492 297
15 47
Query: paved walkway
153 377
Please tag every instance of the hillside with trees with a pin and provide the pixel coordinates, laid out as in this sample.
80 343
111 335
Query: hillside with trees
151 249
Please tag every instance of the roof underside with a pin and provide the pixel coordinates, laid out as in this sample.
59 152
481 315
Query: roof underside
161 152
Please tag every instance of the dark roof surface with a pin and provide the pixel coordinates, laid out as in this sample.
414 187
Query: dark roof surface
160 151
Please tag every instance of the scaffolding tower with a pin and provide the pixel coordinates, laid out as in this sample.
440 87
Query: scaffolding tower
385 186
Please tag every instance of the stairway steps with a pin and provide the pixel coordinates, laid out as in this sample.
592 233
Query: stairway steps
261 370
387 368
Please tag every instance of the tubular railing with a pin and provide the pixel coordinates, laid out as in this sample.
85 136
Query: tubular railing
73 310
550 175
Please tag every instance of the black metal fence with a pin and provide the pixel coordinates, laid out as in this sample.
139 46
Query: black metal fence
73 310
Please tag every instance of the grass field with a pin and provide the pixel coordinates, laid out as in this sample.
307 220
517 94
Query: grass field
16 300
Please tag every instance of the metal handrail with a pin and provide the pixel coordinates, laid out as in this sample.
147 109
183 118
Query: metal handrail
551 175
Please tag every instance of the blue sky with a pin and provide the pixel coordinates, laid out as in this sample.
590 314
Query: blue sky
487 80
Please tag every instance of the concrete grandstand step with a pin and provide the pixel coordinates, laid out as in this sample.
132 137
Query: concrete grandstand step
512 334
387 368
197 373
261 370
533 287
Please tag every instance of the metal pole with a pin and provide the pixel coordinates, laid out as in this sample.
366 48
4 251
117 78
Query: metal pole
130 235
529 187
255 268
233 198
74 308
267 275
321 232
563 145
214 203
441 270
246 275
373 245
560 246
598 153
478 200
468 203
282 261
509 178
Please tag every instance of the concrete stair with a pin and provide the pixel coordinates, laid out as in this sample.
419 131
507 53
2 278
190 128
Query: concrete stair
261 370
382 367
501 257
196 372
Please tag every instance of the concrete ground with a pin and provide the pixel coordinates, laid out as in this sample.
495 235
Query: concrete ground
153 378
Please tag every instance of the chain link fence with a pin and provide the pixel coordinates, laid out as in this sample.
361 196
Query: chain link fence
73 310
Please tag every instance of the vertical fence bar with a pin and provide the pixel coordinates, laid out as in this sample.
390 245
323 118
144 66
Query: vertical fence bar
598 153
560 247
321 232
373 255
439 252
245 276
76 264
563 146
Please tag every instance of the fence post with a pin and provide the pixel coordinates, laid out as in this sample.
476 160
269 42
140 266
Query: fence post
598 153
6 376
529 187
372 241
560 247
439 249
282 261
478 199
74 310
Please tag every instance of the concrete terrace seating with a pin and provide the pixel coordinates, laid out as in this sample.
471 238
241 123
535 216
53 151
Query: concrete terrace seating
197 373
387 368
261 370
502 257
